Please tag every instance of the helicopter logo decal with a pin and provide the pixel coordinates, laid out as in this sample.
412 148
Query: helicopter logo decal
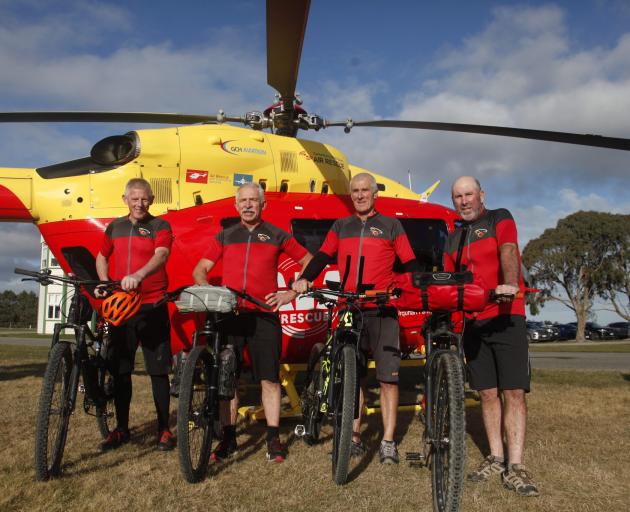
241 179
196 176
235 149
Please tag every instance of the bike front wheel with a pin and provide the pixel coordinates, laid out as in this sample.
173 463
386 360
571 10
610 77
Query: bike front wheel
345 397
449 429
53 412
195 415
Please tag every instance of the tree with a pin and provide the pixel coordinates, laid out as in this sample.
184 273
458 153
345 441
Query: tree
576 257
616 285
18 310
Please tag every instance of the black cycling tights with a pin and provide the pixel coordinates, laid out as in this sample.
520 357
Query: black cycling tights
161 398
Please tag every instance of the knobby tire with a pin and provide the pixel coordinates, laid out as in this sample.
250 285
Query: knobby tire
449 429
53 413
195 415
345 382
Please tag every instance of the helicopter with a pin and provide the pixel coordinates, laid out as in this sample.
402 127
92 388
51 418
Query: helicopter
195 167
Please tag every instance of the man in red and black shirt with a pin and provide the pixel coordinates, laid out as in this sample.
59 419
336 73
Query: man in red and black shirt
135 249
495 339
250 252
379 240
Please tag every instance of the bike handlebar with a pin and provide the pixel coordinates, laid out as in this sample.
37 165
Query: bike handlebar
172 295
320 294
45 277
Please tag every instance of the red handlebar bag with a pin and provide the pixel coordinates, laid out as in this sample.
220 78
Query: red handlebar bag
442 291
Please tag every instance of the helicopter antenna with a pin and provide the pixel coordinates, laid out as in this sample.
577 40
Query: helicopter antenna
409 176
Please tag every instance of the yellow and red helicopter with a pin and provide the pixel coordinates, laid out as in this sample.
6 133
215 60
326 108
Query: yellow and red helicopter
195 167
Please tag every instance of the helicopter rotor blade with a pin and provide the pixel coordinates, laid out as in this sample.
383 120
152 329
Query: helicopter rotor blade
569 138
286 24
112 117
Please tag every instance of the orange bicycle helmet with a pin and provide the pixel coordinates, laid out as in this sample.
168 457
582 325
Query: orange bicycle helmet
120 306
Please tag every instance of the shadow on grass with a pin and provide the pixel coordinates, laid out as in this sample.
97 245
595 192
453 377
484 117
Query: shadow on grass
21 371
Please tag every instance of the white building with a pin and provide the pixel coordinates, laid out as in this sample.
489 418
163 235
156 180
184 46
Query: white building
54 299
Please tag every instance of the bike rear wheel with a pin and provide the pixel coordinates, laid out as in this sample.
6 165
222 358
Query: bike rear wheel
449 428
311 397
53 412
345 393
195 415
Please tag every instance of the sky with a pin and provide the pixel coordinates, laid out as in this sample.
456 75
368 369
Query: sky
543 65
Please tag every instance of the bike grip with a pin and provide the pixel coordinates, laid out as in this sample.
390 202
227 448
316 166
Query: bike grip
376 293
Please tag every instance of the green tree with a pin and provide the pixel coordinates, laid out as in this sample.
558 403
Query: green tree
18 310
615 288
572 262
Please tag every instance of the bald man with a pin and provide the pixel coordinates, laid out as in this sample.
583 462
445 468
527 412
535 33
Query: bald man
495 339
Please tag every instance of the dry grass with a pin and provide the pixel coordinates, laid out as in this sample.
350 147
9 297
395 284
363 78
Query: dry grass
578 436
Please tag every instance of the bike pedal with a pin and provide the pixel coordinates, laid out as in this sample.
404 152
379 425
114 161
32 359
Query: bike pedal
300 430
414 456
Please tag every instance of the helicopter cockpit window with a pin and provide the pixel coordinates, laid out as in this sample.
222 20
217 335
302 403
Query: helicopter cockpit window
427 238
310 233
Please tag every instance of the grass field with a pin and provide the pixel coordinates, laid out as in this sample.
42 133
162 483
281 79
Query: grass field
588 346
579 433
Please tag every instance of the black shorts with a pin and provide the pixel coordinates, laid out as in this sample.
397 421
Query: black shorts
262 334
152 329
380 337
497 353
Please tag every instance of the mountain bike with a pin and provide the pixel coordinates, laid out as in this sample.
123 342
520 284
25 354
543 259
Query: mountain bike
444 388
331 389
208 374
82 358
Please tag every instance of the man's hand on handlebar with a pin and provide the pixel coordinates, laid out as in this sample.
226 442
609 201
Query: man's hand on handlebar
278 299
301 285
505 292
130 282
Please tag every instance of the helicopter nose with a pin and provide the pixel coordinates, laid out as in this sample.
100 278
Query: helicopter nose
15 199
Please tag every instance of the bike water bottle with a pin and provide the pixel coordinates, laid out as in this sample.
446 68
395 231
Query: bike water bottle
227 373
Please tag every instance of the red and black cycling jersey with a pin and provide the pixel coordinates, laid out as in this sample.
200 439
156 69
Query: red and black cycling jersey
131 246
378 238
250 258
480 255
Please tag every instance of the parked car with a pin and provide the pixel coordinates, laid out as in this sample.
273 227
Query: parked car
554 331
537 331
621 329
596 332
566 331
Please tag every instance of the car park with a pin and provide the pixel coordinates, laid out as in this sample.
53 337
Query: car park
537 332
596 332
621 329
566 331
